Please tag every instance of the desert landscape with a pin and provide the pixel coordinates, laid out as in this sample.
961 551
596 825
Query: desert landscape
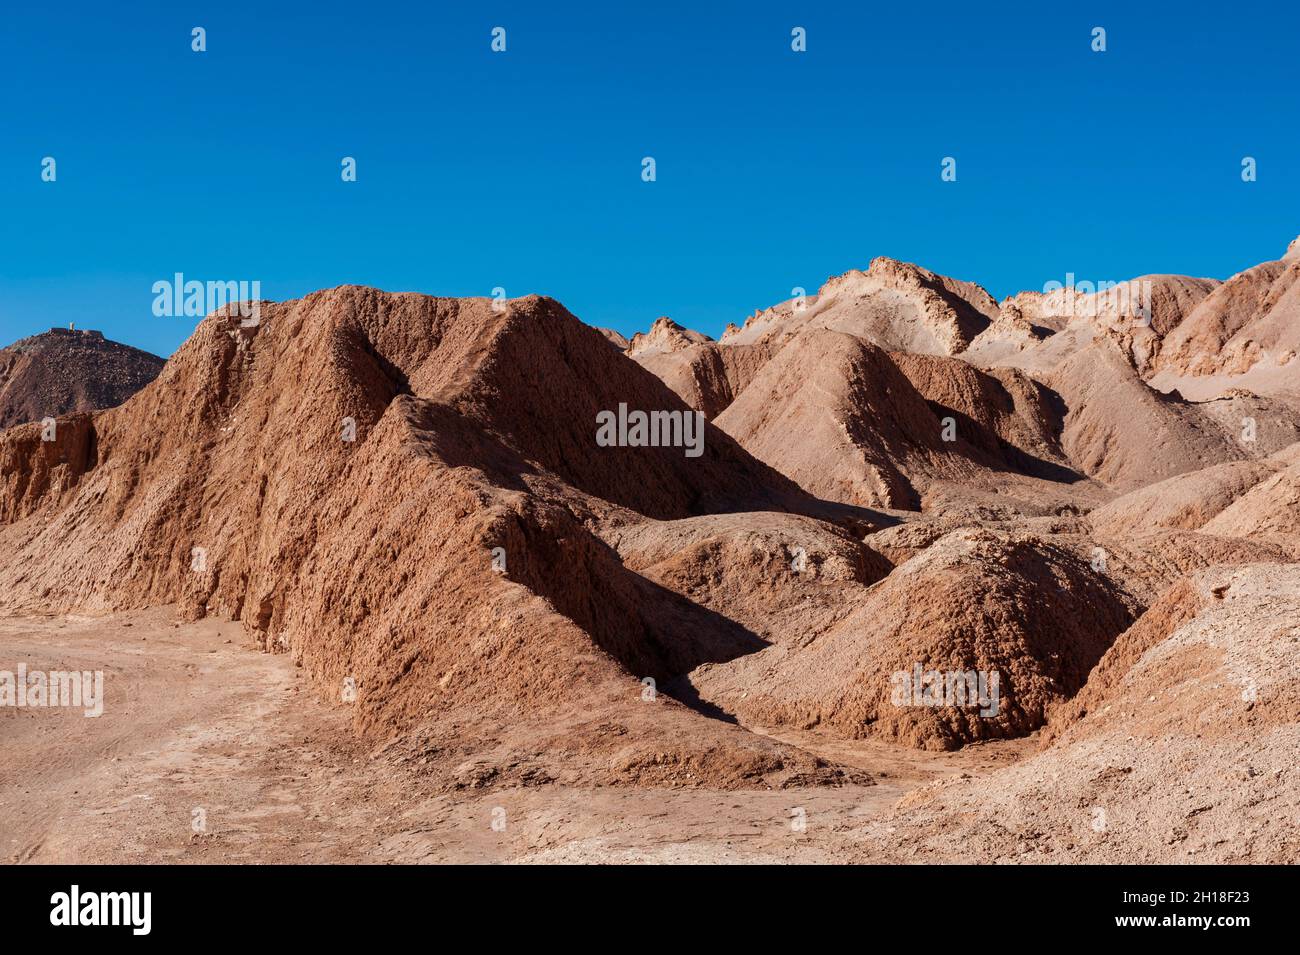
893 572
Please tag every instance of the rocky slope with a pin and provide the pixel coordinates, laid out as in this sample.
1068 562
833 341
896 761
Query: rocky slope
62 371
1180 752
897 476
1246 334
340 477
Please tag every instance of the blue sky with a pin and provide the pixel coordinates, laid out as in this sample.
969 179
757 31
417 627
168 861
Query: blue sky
522 170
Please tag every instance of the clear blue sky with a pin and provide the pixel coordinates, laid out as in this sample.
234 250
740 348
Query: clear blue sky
522 169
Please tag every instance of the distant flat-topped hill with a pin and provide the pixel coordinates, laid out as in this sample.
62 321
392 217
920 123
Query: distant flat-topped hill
63 370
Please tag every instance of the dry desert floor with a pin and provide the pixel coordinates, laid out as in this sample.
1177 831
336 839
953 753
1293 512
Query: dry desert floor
197 723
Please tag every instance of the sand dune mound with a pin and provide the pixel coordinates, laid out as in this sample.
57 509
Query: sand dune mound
1204 693
500 677
1140 564
843 419
1245 334
1013 416
899 306
248 426
1160 302
343 476
1186 501
780 576
1144 565
1179 603
893 304
834 414
1072 404
1050 311
1068 401
1196 629
977 601
1037 331
1039 355
1123 432
1172 299
62 371
1269 510
665 335
1010 335
542 385
1140 313
704 374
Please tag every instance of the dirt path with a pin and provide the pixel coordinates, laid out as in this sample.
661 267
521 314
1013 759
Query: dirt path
197 725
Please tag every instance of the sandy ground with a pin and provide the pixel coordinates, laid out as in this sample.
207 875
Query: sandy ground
197 723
